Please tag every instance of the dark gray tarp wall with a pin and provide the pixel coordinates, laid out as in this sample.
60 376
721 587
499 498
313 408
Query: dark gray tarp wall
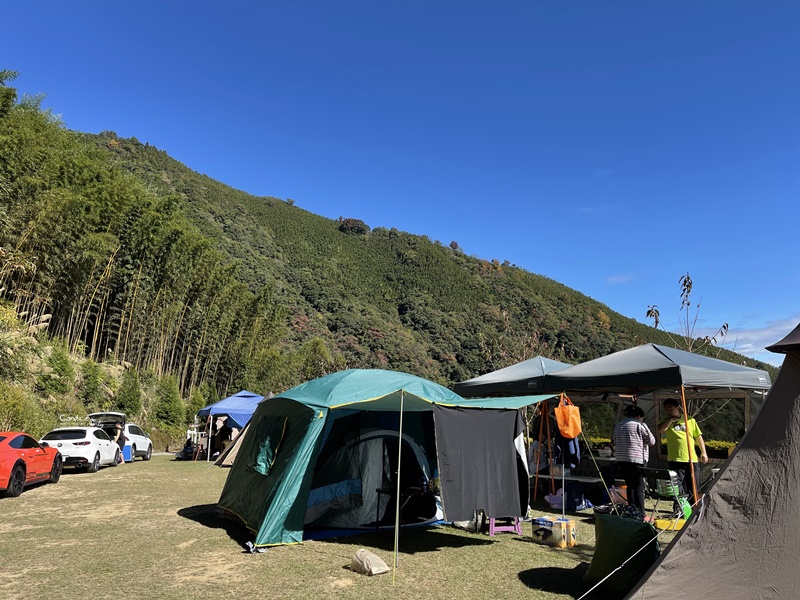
650 367
744 542
477 472
526 377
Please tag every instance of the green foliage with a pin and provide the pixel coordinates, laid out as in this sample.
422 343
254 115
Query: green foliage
598 440
719 444
7 95
317 360
353 226
598 420
58 377
197 400
16 347
21 411
91 392
129 395
169 409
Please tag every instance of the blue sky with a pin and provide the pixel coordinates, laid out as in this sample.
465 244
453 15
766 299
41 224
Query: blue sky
611 146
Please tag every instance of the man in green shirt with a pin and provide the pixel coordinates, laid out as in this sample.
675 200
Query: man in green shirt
674 428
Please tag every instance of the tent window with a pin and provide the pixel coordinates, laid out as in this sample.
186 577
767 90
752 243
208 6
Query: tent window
267 450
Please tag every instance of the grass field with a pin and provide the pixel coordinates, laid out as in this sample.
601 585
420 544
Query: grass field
148 529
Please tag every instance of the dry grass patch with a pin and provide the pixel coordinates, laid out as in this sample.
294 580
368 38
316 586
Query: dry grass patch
149 528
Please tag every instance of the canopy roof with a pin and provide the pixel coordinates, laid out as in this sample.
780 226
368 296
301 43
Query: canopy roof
238 408
791 343
651 367
522 378
383 389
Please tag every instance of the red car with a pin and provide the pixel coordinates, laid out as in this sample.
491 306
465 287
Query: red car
24 461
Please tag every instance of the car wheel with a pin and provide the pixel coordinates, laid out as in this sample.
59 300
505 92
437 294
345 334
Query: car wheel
95 464
133 453
58 467
148 454
17 482
117 456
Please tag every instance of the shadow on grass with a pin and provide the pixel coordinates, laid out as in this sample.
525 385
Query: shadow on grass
558 580
206 515
413 540
569 582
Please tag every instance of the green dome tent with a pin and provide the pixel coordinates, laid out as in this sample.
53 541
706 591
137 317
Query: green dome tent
275 474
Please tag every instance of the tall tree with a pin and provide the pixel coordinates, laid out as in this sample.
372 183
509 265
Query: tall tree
129 395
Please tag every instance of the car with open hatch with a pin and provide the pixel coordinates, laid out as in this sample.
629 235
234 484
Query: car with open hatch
84 447
24 461
135 437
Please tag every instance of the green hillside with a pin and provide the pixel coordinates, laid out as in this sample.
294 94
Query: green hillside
125 256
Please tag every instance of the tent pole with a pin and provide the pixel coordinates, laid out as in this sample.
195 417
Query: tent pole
537 454
208 438
397 493
689 444
549 450
563 485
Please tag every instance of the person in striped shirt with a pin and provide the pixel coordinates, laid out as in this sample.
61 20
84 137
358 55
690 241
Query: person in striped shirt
632 440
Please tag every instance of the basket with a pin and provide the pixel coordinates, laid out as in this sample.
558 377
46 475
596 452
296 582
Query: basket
666 488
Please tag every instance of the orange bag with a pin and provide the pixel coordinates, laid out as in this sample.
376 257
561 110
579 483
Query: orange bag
568 417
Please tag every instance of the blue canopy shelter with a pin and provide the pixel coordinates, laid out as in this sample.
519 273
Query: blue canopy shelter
238 408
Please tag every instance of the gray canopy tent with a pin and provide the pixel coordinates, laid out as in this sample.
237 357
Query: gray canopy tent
744 541
526 377
651 372
651 367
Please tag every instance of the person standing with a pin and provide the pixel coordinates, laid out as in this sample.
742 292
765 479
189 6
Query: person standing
632 440
119 438
678 451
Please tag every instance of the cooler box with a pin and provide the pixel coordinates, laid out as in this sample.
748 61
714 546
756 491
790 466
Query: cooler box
564 535
126 453
542 529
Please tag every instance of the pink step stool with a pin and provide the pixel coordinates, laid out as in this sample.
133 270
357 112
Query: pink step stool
512 524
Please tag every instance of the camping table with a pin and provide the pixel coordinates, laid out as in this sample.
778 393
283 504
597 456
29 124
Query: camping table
405 495
580 479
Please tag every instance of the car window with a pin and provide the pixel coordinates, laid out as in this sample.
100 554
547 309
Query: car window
23 441
66 434
29 442
101 435
136 431
2 437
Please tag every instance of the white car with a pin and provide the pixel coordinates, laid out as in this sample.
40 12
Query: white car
135 437
83 447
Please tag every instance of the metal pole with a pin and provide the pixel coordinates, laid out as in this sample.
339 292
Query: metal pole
397 492
689 445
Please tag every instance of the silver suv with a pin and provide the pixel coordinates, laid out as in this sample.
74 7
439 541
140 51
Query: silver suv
135 437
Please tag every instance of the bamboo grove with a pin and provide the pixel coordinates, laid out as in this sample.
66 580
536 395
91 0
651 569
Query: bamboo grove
115 268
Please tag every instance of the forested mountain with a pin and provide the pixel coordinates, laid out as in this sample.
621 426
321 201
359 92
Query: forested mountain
125 255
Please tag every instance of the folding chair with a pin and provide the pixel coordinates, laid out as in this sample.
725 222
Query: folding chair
662 484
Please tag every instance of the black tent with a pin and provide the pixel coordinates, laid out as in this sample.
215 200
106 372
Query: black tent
744 541
521 379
